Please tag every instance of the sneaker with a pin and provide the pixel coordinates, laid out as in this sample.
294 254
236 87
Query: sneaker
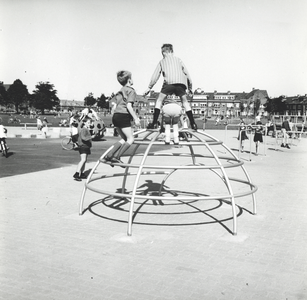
76 176
283 145
194 126
106 158
287 146
152 126
116 160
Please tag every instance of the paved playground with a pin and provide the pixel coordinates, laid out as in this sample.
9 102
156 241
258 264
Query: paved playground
50 252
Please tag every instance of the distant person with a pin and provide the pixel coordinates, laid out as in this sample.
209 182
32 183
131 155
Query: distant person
85 144
258 118
3 131
45 126
204 122
176 81
122 117
217 120
39 123
258 135
242 134
285 129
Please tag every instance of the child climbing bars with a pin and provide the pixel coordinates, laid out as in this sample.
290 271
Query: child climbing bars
122 117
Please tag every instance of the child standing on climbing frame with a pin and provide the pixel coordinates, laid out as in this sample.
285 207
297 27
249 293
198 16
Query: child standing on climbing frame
176 81
122 117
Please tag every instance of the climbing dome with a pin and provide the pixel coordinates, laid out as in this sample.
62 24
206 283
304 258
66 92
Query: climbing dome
202 174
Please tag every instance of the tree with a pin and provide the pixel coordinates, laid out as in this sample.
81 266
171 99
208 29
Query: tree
89 100
275 105
17 94
3 95
102 101
45 96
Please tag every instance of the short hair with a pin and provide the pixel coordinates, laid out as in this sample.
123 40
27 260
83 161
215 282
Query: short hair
167 48
123 77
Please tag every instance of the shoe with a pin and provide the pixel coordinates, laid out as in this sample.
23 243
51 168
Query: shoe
116 160
83 176
152 126
194 126
76 176
106 158
109 160
166 143
283 145
287 146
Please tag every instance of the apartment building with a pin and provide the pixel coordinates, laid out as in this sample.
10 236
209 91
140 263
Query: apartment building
211 104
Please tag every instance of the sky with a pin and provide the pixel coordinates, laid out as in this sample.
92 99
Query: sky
226 45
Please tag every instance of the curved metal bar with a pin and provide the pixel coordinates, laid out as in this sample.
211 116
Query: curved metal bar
202 139
228 185
89 178
137 181
177 198
248 178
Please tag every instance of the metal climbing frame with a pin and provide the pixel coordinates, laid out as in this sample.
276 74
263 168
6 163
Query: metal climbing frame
192 140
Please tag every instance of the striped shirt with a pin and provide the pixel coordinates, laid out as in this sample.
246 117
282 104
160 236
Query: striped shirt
174 72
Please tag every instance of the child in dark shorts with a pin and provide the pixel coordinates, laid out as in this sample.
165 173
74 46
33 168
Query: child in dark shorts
258 135
122 117
242 134
85 144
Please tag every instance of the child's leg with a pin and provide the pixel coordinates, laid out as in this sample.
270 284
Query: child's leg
176 133
81 166
188 111
126 132
117 145
167 133
158 107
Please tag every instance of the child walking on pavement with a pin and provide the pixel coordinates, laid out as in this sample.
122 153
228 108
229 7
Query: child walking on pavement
122 117
258 135
242 134
176 80
85 144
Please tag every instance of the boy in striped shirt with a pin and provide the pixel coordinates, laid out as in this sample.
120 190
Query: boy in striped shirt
176 81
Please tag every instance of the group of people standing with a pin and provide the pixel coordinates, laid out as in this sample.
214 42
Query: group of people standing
259 131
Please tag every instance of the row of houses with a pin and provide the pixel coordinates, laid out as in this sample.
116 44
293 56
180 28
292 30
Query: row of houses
216 103
211 104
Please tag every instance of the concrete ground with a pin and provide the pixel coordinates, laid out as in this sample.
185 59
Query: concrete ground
48 251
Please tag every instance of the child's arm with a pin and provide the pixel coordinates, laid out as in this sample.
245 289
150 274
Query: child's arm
154 78
133 114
